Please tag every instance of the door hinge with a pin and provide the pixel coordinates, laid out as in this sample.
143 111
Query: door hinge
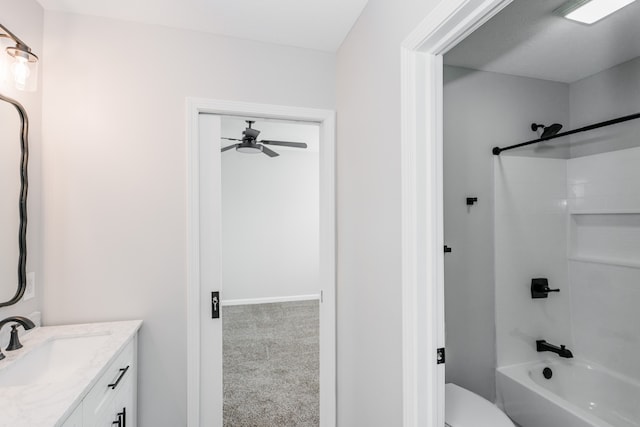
447 249
440 356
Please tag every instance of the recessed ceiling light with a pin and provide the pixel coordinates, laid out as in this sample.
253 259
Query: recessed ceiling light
590 11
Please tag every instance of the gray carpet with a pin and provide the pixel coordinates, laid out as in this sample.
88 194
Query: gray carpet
271 365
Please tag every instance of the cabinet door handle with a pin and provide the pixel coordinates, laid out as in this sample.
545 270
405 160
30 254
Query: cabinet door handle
118 422
122 372
122 416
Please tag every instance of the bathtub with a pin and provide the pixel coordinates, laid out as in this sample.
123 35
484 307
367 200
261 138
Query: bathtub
578 394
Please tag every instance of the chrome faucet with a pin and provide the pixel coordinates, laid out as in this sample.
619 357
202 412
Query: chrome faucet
14 341
562 351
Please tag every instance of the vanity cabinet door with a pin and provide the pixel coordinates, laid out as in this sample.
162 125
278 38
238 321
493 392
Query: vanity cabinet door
113 392
75 419
118 411
123 407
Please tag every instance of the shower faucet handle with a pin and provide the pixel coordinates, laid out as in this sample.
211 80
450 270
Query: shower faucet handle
540 288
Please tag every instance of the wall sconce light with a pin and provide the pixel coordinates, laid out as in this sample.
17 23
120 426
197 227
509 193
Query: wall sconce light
17 63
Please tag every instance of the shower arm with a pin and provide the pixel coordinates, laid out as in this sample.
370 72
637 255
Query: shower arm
497 150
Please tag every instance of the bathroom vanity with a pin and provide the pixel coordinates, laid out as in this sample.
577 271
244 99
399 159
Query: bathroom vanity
72 376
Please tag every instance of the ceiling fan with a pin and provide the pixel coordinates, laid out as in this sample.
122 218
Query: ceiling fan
250 144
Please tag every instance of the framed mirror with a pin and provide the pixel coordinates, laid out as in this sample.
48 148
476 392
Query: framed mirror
14 156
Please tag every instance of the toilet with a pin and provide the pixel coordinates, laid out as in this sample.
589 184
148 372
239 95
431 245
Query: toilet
464 408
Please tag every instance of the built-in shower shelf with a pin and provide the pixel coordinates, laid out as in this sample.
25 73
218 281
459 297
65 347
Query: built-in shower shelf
606 237
606 261
605 212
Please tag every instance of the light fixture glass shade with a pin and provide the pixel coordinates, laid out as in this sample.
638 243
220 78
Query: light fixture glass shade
249 149
23 69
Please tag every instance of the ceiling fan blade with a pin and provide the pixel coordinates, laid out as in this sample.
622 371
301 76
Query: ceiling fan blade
284 143
231 139
269 152
228 147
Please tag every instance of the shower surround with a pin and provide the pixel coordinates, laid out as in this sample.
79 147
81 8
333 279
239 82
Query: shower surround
577 223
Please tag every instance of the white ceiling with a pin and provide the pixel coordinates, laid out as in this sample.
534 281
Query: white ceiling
527 39
312 24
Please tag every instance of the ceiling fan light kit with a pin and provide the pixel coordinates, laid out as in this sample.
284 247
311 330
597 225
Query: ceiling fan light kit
249 148
249 143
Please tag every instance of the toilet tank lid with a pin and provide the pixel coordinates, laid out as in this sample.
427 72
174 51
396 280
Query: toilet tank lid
464 408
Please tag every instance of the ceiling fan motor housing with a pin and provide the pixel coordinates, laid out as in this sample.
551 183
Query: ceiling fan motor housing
251 133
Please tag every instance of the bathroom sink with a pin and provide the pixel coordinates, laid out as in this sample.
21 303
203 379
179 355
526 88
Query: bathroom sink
52 361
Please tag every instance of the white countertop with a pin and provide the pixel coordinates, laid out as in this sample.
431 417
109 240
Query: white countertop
49 404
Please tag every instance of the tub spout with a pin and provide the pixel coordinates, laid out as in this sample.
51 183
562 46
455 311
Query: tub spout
562 351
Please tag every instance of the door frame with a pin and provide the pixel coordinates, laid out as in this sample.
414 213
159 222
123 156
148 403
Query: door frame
422 231
326 120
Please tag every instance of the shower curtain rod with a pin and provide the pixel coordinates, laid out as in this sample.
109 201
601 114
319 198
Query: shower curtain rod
497 150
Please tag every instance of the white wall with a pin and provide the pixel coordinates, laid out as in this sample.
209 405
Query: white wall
115 173
530 242
482 110
368 169
604 96
270 214
25 19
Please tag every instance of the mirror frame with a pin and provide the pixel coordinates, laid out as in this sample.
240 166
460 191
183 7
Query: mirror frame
22 202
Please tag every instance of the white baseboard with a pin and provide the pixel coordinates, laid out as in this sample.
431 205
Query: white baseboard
270 300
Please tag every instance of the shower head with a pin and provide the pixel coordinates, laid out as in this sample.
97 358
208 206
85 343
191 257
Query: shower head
548 131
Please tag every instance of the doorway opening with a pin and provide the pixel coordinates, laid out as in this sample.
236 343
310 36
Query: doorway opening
236 209
542 280
270 272
422 202
424 199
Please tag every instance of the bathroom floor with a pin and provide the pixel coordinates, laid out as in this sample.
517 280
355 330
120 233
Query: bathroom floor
271 365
